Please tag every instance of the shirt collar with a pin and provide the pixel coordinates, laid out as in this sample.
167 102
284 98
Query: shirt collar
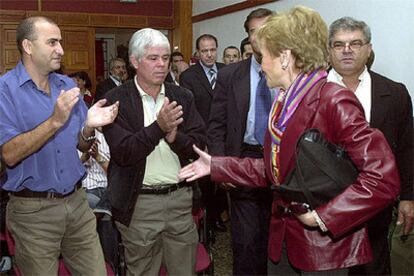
142 92
115 80
22 73
336 77
23 76
256 66
207 69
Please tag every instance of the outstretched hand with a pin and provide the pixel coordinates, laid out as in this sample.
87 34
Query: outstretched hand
199 168
98 115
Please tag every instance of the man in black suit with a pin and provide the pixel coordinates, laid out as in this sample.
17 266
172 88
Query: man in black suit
118 74
387 105
232 133
200 79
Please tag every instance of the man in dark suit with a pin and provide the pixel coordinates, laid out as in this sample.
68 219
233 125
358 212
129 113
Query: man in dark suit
387 105
231 133
200 79
118 74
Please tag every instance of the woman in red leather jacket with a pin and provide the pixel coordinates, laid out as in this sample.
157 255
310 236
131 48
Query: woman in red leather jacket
333 236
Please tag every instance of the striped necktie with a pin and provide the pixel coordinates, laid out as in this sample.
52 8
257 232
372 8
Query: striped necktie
212 73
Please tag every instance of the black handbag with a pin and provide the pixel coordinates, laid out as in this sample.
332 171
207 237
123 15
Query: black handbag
323 170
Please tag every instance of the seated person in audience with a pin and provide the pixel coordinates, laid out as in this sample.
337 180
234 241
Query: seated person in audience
96 162
84 83
231 55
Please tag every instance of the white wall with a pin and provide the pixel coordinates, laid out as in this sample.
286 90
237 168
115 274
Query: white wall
202 6
391 22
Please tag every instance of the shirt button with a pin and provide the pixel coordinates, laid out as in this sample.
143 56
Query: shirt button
58 151
61 171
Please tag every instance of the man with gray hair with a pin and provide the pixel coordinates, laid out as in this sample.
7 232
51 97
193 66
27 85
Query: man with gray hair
387 105
149 142
118 74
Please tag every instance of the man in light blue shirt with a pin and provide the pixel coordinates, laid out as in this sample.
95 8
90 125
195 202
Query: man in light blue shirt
42 123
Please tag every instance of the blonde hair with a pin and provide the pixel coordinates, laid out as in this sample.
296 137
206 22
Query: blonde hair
301 30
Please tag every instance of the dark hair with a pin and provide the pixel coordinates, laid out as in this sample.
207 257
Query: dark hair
243 43
26 30
83 76
231 47
176 54
349 24
205 36
257 13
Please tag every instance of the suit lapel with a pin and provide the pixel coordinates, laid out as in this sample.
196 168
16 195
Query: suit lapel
379 101
202 78
242 88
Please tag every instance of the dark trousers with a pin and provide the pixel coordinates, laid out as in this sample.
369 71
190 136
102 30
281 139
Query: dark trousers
378 237
108 234
250 217
210 200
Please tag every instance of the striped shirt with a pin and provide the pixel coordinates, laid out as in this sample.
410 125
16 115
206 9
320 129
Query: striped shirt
96 176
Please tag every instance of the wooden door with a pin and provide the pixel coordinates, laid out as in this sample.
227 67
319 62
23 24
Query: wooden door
79 46
10 56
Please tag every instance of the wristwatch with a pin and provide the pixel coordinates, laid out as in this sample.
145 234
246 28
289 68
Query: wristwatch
101 160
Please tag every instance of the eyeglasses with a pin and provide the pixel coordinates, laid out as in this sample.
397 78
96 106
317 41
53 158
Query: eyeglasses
354 45
120 67
206 51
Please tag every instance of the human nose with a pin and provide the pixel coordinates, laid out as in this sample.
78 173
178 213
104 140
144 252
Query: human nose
59 49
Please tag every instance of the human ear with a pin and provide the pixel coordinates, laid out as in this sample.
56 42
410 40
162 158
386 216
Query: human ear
27 46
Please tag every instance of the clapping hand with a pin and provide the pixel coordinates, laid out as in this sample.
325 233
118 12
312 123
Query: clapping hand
169 117
100 115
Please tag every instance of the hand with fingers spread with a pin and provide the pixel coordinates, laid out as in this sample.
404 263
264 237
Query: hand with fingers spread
199 168
169 116
64 105
100 115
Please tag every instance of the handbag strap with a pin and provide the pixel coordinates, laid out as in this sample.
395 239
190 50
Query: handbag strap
321 165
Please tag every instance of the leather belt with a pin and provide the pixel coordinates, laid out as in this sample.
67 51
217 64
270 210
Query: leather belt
253 148
34 194
162 189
